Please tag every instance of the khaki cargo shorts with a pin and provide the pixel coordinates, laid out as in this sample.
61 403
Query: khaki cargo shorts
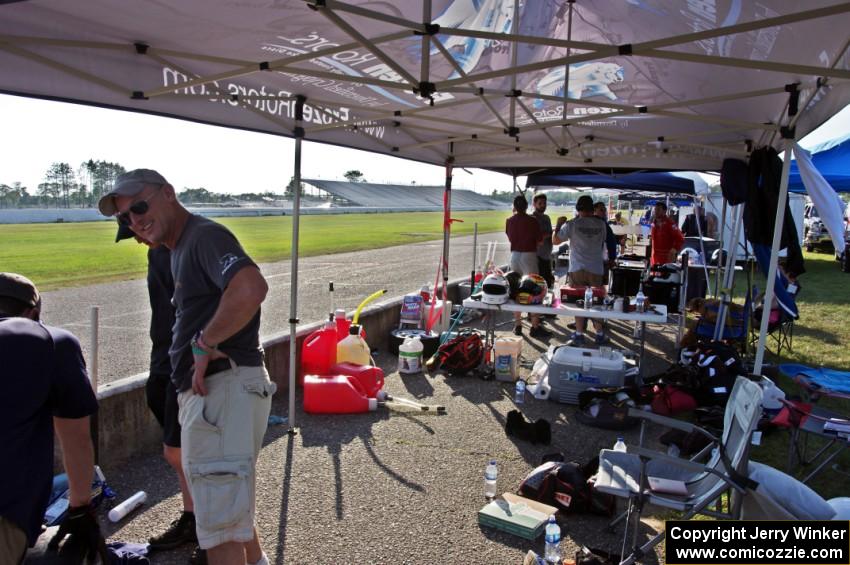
221 436
585 278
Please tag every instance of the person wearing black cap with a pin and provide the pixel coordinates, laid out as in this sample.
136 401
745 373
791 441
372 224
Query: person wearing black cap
586 234
160 391
45 388
216 360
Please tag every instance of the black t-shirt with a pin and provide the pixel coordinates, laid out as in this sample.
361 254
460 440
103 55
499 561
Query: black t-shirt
44 375
160 292
203 263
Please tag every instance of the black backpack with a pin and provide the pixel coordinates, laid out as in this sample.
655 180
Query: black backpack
565 486
461 354
608 408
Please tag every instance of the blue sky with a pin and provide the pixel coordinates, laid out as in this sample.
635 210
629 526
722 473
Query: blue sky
37 133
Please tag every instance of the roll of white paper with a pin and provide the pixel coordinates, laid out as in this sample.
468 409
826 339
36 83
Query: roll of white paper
128 506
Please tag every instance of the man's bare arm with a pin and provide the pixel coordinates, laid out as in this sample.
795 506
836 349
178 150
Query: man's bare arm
77 455
239 302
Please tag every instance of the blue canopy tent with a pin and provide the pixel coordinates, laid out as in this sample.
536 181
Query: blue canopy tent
831 159
643 182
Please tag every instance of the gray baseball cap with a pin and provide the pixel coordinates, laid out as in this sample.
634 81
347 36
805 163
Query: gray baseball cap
13 285
129 184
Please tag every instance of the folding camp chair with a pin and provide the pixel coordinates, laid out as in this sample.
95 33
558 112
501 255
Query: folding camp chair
626 474
736 329
780 332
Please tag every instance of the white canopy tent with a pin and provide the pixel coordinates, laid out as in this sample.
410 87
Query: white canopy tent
499 84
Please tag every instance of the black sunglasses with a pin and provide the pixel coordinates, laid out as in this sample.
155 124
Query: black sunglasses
139 208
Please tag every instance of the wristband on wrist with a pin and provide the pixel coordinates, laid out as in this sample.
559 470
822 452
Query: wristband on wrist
199 347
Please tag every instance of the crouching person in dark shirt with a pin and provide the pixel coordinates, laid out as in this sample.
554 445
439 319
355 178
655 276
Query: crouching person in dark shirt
44 387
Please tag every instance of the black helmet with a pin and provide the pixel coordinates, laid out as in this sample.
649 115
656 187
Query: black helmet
719 257
513 279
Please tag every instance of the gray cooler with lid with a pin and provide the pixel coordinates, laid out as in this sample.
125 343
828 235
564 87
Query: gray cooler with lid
574 369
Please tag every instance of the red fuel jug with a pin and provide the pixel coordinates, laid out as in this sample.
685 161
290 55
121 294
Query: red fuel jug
371 379
337 394
318 351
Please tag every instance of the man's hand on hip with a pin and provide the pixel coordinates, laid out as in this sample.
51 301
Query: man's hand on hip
201 363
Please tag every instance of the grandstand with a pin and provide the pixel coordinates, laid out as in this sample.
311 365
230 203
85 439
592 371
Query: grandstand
400 196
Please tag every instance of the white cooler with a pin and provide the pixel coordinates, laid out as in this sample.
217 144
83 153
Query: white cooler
573 369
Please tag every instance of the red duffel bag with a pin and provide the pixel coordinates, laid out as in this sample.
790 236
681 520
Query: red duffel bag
670 400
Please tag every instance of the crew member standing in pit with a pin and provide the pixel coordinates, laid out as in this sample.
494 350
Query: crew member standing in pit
586 234
162 395
216 359
666 238
544 250
524 234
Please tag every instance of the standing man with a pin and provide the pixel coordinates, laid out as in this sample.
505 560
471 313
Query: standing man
224 391
44 388
619 221
610 253
160 391
586 235
695 224
544 249
666 238
524 234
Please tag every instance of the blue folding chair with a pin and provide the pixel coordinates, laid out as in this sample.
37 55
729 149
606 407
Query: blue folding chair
735 330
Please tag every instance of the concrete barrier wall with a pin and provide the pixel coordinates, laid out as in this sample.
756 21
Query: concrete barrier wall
127 428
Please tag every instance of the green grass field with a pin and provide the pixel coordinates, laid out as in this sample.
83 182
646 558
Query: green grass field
79 254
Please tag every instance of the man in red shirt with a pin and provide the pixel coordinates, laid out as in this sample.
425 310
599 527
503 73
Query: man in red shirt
667 238
524 234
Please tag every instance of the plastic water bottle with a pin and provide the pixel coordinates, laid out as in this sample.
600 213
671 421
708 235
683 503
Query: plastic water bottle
588 297
491 473
553 541
640 301
620 445
519 396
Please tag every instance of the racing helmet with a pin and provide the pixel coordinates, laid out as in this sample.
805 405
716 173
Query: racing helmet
513 279
693 255
532 289
719 257
494 289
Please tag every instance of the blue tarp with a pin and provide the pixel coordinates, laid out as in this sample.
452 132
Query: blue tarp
641 182
832 160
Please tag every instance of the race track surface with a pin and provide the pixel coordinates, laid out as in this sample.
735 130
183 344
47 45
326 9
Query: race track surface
124 312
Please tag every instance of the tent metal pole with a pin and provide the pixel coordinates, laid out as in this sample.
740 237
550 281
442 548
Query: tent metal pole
805 70
720 264
425 68
293 280
774 254
447 227
514 55
729 273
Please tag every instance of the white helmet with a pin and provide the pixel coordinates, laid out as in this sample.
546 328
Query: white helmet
693 256
495 290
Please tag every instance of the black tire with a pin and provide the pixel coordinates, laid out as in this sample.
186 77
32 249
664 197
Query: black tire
845 263
430 341
810 247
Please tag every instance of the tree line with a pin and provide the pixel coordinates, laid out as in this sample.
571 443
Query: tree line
64 186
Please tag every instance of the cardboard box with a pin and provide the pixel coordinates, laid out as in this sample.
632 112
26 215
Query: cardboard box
516 515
